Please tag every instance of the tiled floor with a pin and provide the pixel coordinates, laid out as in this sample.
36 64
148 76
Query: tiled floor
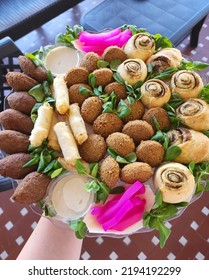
190 232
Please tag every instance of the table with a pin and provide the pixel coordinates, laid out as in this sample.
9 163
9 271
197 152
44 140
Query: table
175 19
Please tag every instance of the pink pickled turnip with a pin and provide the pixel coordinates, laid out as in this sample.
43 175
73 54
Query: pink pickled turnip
89 38
115 214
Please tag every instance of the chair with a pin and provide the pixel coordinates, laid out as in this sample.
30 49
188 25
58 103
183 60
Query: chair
19 17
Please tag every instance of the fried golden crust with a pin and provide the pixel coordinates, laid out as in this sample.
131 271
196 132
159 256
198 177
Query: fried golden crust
76 75
122 143
93 149
89 61
20 81
91 109
132 172
160 114
107 123
112 53
150 152
38 73
12 166
109 171
75 95
120 90
32 188
15 120
103 76
9 137
21 101
137 111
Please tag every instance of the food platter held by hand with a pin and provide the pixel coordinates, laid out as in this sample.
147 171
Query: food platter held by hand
115 141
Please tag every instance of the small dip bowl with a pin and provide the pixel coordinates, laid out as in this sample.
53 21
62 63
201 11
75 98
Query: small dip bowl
67 198
60 59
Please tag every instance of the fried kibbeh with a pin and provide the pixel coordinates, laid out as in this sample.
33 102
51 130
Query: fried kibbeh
151 152
91 109
120 90
114 52
38 73
107 123
21 101
109 171
9 137
75 96
161 116
32 188
89 61
103 76
12 166
15 120
122 143
93 149
76 75
138 130
137 111
136 171
20 81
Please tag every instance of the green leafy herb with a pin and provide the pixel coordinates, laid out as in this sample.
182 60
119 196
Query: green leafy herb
114 64
172 153
204 94
161 42
201 175
117 77
37 92
102 64
134 29
92 80
69 36
158 215
192 65
129 158
79 227
161 137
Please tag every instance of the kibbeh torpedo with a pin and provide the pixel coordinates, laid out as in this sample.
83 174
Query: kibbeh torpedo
121 143
20 81
12 166
21 101
12 142
32 188
109 171
15 120
93 149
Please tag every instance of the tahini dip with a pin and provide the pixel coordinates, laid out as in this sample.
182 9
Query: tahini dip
68 197
60 59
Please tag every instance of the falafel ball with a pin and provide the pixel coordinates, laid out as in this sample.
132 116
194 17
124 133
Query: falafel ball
32 188
122 143
93 149
38 73
137 111
91 109
15 120
120 90
76 75
114 52
109 171
107 123
89 61
132 172
75 96
150 152
103 76
160 114
12 166
21 101
138 130
20 81
9 137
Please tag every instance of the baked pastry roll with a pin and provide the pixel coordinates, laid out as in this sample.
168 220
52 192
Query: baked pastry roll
52 137
175 182
42 125
187 83
194 145
167 57
140 45
155 93
67 143
133 70
194 113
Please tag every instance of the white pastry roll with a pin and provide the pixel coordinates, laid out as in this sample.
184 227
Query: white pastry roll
60 94
52 137
67 143
42 125
175 182
77 124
